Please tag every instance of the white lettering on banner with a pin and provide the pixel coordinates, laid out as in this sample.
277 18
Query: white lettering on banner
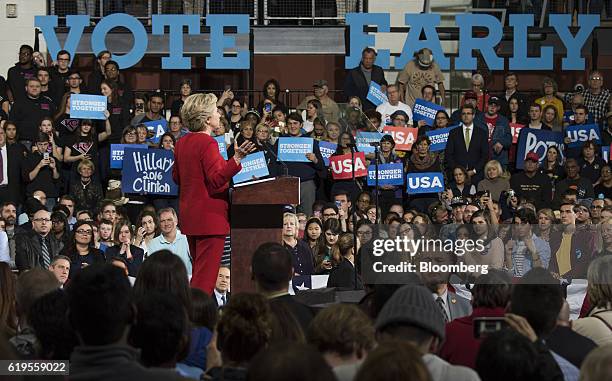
253 165
144 185
582 135
533 144
80 105
426 111
387 174
345 166
441 138
117 154
150 163
424 182
294 148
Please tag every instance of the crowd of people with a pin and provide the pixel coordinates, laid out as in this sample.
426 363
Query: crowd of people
85 252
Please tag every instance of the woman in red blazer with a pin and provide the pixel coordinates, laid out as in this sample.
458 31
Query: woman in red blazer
203 178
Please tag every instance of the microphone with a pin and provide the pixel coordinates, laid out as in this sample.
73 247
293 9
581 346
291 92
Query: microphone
285 167
366 118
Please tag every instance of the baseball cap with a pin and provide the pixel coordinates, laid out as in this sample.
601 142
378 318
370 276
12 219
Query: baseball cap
400 113
533 157
470 95
494 100
319 83
458 201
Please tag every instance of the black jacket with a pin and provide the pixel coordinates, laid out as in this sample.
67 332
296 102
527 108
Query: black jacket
27 114
355 84
15 154
28 251
570 345
474 158
133 264
343 276
16 78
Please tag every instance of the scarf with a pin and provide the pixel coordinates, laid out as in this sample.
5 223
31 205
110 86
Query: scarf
423 163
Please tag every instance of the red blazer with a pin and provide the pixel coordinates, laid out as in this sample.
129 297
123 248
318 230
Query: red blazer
460 346
203 178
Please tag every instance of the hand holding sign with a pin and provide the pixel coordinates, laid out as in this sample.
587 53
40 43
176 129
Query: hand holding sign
312 157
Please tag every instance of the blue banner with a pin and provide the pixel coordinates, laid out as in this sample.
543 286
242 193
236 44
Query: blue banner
581 133
254 165
327 149
376 95
294 149
364 138
116 156
222 147
84 106
148 172
426 182
426 111
388 174
439 138
156 129
537 141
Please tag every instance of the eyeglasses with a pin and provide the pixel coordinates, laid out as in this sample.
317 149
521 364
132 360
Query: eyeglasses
596 78
83 231
596 207
329 214
47 220
364 233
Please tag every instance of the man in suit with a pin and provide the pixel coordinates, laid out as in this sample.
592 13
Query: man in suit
272 270
357 82
11 158
452 305
37 248
467 146
221 293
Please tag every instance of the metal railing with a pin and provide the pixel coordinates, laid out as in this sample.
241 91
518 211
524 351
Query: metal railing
276 12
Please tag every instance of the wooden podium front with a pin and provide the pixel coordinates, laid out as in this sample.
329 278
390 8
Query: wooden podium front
256 218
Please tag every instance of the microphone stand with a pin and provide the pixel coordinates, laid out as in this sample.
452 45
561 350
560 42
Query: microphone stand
271 151
376 158
354 216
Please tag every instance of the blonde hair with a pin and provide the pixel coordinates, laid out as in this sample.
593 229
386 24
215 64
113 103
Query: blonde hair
494 164
197 109
291 216
599 276
86 163
596 366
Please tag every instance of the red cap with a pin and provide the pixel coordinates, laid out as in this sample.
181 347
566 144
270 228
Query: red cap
532 156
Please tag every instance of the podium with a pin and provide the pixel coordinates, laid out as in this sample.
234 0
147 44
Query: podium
257 217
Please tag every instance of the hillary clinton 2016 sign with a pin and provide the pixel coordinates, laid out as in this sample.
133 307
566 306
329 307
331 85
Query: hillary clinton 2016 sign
148 172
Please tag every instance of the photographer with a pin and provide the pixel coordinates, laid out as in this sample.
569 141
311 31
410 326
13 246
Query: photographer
40 171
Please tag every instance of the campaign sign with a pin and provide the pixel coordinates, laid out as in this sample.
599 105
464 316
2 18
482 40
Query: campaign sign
364 139
404 136
222 147
538 141
327 149
388 174
84 106
605 153
515 129
342 168
426 182
254 165
148 172
438 138
375 94
294 149
426 111
116 156
579 134
156 129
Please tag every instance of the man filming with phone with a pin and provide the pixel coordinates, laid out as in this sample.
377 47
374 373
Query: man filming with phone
41 171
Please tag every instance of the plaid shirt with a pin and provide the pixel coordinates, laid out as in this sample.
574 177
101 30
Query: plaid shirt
597 104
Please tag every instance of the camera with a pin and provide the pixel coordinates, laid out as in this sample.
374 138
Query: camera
579 87
510 193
